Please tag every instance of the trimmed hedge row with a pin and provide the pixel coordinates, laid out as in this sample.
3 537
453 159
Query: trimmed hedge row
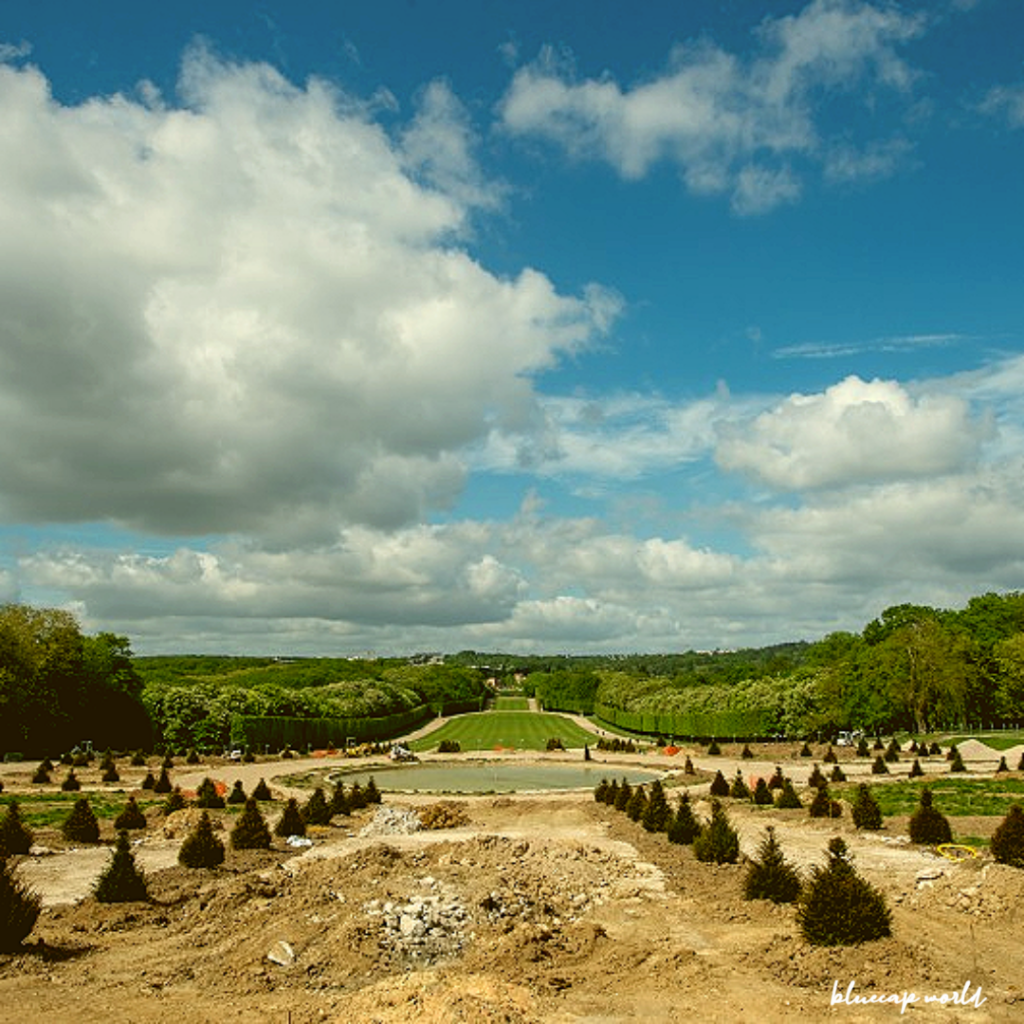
256 731
740 725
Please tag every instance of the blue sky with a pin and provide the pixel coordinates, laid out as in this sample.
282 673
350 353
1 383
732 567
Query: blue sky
429 326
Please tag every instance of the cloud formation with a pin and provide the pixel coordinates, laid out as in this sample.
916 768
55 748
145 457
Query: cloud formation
731 125
252 312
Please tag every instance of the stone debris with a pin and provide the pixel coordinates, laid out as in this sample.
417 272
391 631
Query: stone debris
425 928
282 954
392 821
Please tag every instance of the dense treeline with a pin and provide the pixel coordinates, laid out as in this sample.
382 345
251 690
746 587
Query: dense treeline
914 667
59 687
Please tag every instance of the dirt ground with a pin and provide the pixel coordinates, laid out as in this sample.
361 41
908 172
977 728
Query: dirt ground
540 908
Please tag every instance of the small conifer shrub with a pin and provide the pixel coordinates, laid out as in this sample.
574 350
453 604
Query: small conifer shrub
175 801
739 789
770 876
817 778
192 757
719 787
207 796
916 771
163 784
555 743
111 774
684 827
81 825
138 759
262 791
657 814
250 831
15 836
624 795
339 800
866 812
372 793
41 776
778 780
830 756
237 794
838 775
927 825
718 841
1007 844
449 747
688 768
934 750
201 848
762 794
356 797
837 907
1020 763
957 764
637 804
862 748
805 751
71 783
1002 766
713 748
123 880
316 810
291 822
149 782
912 749
248 757
746 753
601 791
892 752
167 763
823 806
19 908
131 817
788 798
287 754
879 767
878 744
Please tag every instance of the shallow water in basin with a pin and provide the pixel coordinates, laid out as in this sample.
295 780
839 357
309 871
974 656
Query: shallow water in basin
490 778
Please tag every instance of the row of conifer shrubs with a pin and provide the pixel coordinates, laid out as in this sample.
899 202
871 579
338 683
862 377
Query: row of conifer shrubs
277 732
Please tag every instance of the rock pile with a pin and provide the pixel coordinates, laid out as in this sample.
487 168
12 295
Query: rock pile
392 821
426 928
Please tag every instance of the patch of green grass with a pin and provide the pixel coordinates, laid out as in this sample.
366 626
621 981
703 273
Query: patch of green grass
511 704
523 730
1001 740
952 796
45 810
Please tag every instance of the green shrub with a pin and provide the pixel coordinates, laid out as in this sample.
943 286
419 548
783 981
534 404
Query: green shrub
823 806
623 796
449 747
637 804
866 812
111 775
879 767
316 810
746 753
175 801
927 825
555 743
192 757
371 792
719 787
163 784
42 776
805 751
788 799
688 768
167 763
339 800
15 836
684 827
713 748
286 754
149 782
250 831
837 907
19 908
71 783
122 881
1007 844
957 764
830 756
817 778
778 780
138 759
291 822
207 796
934 750
356 797
739 789
131 817
81 825
862 748
1002 766
657 814
892 752
838 775
770 876
201 848
262 791
718 841
601 791
237 794
1020 763
916 771
762 794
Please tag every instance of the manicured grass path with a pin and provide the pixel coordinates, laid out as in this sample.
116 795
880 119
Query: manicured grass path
522 730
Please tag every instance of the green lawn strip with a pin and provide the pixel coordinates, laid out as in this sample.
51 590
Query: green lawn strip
995 740
952 796
511 704
523 730
43 810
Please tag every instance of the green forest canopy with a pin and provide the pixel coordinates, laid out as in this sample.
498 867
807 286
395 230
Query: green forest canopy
914 667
